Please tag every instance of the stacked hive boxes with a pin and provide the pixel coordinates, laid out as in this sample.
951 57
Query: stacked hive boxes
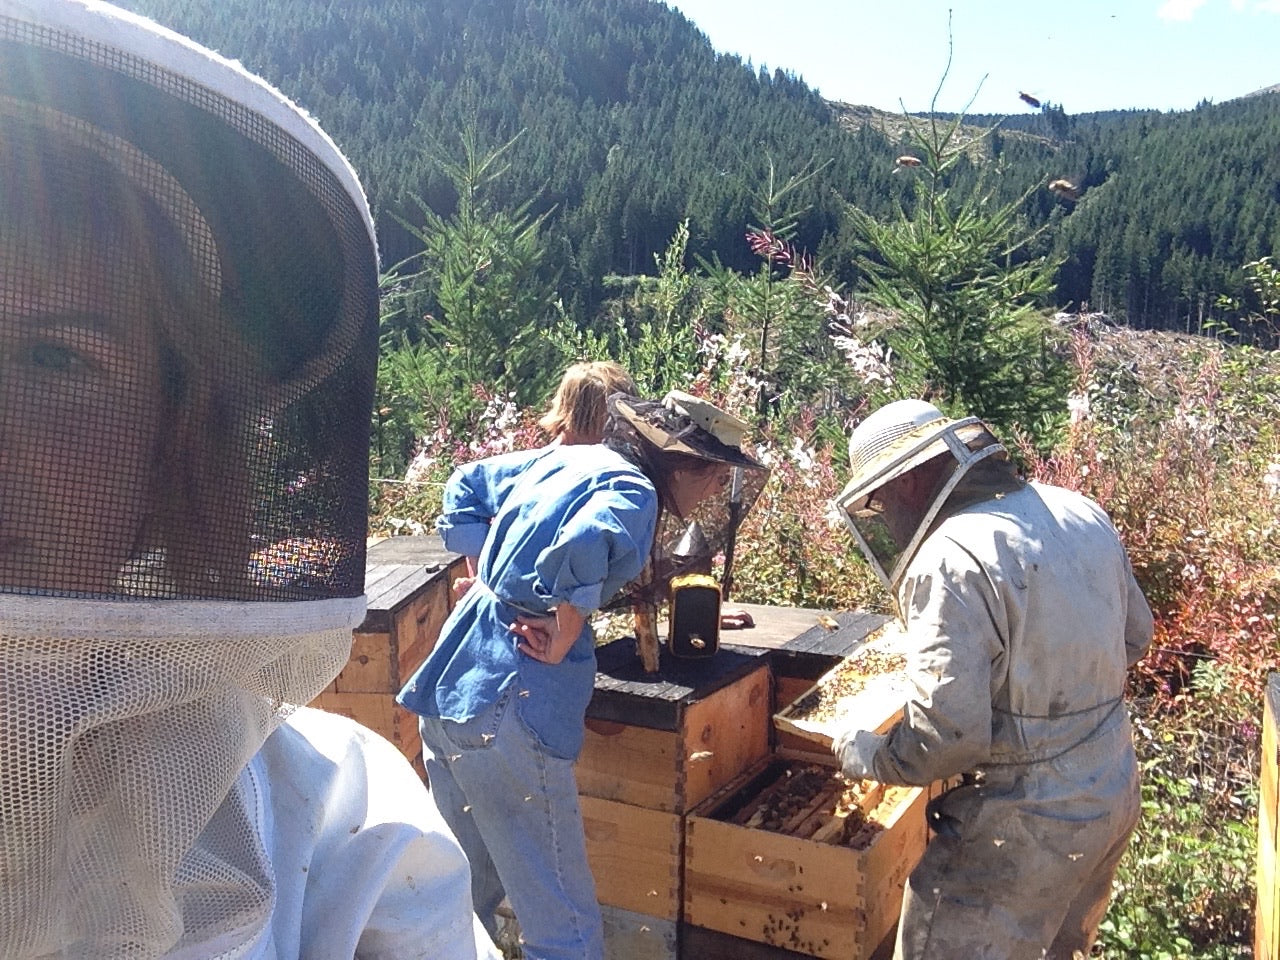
656 746
408 587
789 860
673 766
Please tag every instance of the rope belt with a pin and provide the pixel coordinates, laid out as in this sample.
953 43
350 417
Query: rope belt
1113 705
1056 716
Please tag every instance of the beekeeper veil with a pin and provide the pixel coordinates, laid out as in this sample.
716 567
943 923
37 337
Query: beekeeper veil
684 428
896 439
188 315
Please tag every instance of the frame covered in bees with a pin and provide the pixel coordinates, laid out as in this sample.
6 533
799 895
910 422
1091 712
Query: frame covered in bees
867 689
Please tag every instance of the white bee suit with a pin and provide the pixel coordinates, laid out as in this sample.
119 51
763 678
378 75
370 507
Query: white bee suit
1022 618
357 871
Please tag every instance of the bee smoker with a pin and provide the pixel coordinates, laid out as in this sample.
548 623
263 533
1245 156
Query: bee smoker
694 630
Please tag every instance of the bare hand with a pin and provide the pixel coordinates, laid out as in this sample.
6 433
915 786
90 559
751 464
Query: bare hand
736 620
538 638
461 586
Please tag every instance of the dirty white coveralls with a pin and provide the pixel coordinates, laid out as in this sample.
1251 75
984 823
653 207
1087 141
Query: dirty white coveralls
361 866
1022 617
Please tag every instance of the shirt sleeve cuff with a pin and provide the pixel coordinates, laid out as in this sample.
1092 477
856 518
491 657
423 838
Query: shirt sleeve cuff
586 598
464 538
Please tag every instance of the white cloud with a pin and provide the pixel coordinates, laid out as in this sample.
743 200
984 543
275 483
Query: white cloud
1179 9
1267 6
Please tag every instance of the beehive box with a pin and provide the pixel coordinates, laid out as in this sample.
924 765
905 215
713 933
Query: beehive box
1266 938
408 588
867 690
666 741
834 897
636 857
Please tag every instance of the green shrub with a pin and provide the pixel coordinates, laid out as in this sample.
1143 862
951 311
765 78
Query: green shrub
1185 889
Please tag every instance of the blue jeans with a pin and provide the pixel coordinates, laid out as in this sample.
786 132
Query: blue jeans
514 808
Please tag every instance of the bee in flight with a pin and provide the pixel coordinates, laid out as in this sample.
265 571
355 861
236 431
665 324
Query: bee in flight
1065 189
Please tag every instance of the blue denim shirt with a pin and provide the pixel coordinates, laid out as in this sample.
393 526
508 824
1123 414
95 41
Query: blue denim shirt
561 524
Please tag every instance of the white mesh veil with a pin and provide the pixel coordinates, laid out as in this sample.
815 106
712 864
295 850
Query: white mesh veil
123 727
896 439
188 323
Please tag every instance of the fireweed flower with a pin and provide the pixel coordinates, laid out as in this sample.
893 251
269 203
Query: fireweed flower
502 418
870 361
1271 480
1078 406
764 244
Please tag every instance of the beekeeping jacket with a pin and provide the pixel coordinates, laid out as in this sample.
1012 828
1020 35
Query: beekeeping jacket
1022 616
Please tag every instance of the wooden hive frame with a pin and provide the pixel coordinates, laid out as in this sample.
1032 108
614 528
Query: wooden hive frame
875 673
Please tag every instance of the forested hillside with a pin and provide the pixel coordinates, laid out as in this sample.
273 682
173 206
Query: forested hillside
631 122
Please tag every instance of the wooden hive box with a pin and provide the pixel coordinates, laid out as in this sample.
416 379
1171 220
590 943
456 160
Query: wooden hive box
1266 936
408 588
635 936
668 740
656 745
636 856
802 895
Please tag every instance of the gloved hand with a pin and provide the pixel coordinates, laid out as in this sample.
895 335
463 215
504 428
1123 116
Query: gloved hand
856 750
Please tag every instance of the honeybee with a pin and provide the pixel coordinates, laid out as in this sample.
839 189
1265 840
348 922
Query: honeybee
1065 189
1028 99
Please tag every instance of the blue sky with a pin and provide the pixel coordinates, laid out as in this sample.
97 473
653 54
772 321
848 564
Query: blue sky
1086 56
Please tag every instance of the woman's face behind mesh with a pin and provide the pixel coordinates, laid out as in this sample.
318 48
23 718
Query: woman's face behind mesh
80 405
692 487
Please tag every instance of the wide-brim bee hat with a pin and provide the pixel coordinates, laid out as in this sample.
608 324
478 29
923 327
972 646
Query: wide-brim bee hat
895 439
693 427
683 423
117 134
267 205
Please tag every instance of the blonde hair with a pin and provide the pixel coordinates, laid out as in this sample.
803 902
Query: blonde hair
579 407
